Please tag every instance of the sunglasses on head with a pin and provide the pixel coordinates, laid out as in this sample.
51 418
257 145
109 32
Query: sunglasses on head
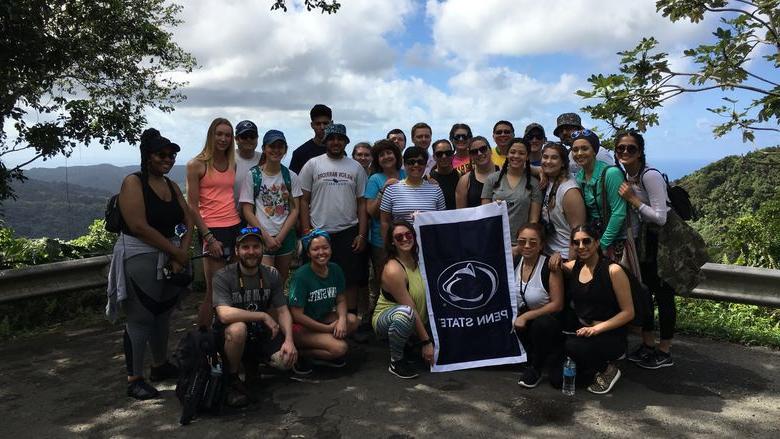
481 150
460 137
403 236
629 148
166 155
584 241
441 154
246 230
412 162
582 133
502 132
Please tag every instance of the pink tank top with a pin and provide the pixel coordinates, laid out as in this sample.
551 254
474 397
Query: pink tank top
217 205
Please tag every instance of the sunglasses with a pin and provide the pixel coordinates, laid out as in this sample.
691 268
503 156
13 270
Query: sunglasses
246 230
630 149
531 242
502 132
582 242
413 162
481 150
166 155
460 137
248 136
405 236
535 136
582 133
441 154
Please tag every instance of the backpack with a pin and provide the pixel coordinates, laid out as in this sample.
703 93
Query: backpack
202 384
640 295
679 200
114 221
257 181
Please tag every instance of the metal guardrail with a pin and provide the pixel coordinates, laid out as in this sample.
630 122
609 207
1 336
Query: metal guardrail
728 283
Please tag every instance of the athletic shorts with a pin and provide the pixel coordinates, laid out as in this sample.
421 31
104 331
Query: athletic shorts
351 263
225 235
289 245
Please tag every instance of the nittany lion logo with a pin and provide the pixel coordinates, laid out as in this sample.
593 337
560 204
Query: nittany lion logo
468 284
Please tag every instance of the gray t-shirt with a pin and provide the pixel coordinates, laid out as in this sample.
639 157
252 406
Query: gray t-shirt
335 185
518 199
227 290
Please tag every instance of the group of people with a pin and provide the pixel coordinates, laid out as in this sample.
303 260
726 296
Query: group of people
572 208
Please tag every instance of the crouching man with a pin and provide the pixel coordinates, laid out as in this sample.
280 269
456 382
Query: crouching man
246 293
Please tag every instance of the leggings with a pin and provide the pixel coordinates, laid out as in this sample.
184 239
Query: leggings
397 324
663 292
594 353
148 307
542 339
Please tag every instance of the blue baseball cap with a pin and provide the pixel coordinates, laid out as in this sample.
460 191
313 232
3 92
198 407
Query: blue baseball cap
246 127
272 136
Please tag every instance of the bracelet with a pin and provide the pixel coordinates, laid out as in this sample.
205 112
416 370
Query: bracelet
361 236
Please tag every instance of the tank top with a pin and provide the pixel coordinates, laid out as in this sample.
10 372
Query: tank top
536 290
416 289
474 194
594 300
216 203
559 241
161 215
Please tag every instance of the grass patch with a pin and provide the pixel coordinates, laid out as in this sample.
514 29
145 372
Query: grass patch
745 324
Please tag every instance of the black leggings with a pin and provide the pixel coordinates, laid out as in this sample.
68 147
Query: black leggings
663 292
594 353
542 340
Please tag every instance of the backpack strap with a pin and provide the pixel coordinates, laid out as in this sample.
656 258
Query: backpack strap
257 181
287 179
604 205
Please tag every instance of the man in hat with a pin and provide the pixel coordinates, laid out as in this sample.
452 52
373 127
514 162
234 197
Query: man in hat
568 123
333 201
247 156
321 117
245 293
534 137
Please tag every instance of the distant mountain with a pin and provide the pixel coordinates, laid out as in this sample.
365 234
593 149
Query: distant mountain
103 177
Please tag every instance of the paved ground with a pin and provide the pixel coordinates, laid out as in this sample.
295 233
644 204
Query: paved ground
68 383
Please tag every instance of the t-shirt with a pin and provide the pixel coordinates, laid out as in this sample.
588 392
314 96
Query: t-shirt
242 167
316 295
304 153
447 183
226 289
335 186
374 185
402 200
498 159
518 199
273 203
461 164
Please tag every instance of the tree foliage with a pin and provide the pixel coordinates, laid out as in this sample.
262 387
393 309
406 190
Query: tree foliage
79 71
746 41
331 7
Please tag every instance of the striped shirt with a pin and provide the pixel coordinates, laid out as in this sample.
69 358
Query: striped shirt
402 200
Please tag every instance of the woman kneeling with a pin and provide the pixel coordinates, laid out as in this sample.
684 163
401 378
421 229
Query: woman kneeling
317 289
401 311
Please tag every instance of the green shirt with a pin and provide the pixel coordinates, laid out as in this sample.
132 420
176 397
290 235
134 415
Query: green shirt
616 205
315 294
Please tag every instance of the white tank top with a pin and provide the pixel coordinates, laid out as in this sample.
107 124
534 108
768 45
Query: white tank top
559 242
536 296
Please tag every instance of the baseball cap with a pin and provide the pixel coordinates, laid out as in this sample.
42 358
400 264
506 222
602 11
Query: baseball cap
272 136
246 127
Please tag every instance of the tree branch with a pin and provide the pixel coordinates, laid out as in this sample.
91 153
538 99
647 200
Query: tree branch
749 14
18 167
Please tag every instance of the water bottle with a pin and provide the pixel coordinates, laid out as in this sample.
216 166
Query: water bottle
214 387
569 375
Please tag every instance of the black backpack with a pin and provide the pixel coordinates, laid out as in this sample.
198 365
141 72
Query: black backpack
114 221
679 199
202 382
640 295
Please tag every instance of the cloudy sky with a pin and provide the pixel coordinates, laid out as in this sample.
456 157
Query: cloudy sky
386 64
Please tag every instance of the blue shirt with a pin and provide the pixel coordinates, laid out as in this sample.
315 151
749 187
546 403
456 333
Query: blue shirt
374 185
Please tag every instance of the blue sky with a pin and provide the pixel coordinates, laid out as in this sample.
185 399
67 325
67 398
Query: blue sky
385 64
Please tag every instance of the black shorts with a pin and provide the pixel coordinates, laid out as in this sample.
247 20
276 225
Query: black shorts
259 344
352 264
225 235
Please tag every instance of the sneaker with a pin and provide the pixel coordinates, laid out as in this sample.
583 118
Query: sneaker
657 360
237 394
141 390
335 363
640 353
530 377
605 381
302 367
402 369
164 372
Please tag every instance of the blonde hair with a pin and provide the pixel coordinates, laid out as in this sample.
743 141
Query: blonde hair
206 155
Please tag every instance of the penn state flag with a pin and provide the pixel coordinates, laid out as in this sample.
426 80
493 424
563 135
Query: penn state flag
466 262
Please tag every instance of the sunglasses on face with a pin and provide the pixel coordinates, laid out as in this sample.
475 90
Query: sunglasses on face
481 150
582 133
535 136
166 155
247 136
460 137
502 132
522 242
629 148
582 242
413 162
441 154
402 237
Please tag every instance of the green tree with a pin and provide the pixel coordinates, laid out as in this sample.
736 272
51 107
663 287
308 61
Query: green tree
630 99
331 7
78 71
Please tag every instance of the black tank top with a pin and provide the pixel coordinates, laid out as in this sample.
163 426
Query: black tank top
474 194
161 215
596 299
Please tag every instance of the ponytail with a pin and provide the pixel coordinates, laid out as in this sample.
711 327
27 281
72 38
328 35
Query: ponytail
501 174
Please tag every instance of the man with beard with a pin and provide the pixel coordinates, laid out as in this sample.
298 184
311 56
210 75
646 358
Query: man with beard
245 295
321 116
333 201
566 124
